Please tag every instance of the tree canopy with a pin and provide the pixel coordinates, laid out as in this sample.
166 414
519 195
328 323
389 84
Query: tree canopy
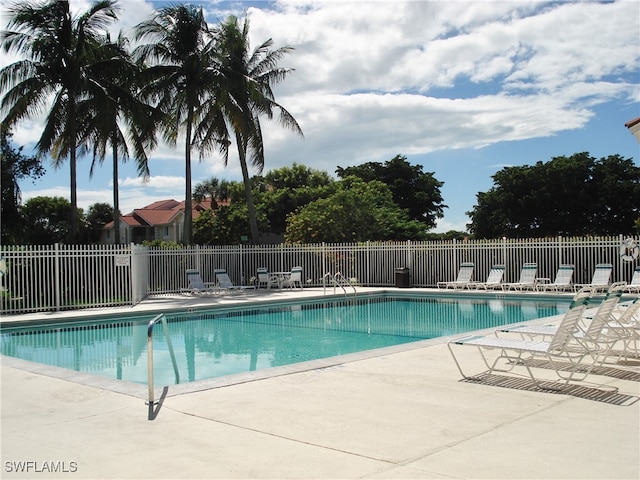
358 211
412 189
286 189
48 220
299 204
15 167
576 195
98 216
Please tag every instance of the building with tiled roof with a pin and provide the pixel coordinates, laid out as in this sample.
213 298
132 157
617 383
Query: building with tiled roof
634 127
161 220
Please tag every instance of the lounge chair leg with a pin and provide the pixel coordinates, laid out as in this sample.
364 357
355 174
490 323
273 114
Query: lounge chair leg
464 375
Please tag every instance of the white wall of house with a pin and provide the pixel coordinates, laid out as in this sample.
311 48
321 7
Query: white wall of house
171 232
107 236
635 130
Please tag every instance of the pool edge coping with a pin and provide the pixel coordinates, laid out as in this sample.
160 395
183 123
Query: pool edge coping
141 391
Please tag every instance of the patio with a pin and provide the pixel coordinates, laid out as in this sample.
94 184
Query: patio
404 413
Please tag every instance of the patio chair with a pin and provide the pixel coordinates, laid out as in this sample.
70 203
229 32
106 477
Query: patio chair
295 277
494 279
594 328
629 322
564 353
464 277
564 277
601 277
634 284
265 279
225 283
527 278
197 286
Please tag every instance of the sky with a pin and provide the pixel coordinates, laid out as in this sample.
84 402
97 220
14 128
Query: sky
463 89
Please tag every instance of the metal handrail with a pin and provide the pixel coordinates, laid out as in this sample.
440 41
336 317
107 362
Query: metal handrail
150 326
324 283
338 276
336 280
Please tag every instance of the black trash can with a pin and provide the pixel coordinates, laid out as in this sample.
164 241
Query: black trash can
402 277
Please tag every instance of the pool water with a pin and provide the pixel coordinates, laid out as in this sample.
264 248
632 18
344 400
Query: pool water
221 342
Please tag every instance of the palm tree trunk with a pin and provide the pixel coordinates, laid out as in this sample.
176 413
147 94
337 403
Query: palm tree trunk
188 221
116 196
74 220
253 222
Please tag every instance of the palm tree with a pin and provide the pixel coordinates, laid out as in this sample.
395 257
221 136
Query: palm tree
214 188
245 94
180 82
60 50
102 119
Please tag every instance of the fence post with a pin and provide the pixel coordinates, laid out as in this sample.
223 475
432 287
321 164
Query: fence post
324 260
504 253
139 268
133 271
56 261
241 264
368 281
455 256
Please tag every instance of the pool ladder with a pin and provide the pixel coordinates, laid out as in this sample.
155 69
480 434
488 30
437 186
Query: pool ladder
161 317
338 280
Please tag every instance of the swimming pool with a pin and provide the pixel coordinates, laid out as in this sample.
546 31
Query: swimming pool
225 341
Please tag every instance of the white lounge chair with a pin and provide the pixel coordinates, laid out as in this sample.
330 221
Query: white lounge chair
626 324
225 283
265 279
464 277
560 349
594 328
494 279
634 284
601 277
295 277
527 278
564 277
197 286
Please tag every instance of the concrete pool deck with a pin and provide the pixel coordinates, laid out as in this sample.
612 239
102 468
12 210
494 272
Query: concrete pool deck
402 413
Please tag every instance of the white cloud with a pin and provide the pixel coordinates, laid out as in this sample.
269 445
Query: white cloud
378 78
392 46
133 193
537 70
553 60
371 127
86 198
444 225
158 181
131 199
